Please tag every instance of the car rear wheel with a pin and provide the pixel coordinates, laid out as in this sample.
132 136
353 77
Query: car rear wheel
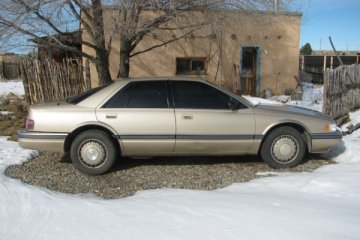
283 148
93 152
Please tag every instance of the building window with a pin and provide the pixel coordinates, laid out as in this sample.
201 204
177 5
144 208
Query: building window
190 66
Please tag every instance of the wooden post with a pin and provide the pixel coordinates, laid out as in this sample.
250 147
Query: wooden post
87 74
26 83
302 62
331 62
324 68
1 70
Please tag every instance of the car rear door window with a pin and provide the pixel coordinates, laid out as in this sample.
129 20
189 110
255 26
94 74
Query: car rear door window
198 95
149 94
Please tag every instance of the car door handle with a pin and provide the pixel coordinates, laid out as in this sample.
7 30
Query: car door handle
111 116
187 116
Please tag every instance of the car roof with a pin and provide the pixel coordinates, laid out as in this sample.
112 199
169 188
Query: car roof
98 97
161 78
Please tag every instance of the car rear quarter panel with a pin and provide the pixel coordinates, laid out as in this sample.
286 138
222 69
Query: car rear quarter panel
61 118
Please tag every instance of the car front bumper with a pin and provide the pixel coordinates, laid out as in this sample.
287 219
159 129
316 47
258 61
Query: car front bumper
42 141
323 142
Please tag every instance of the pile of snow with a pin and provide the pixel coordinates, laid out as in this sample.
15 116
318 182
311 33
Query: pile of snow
257 100
312 98
354 120
11 153
15 86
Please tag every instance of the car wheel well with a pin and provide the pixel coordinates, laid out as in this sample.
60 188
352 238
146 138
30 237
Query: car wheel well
70 138
304 133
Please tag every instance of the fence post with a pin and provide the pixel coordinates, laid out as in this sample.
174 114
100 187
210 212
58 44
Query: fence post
331 62
87 74
26 83
1 70
302 62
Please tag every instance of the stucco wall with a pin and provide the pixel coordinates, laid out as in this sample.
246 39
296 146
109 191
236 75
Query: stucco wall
276 35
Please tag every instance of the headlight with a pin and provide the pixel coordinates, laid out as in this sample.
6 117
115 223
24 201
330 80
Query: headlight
330 127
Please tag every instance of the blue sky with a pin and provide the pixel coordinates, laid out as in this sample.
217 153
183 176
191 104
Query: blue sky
336 18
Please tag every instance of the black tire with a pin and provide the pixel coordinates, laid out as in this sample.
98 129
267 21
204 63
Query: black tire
93 152
284 147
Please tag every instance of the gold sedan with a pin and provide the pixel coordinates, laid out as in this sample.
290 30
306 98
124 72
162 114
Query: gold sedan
173 117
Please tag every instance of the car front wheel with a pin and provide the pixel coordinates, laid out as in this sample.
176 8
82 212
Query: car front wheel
284 147
93 152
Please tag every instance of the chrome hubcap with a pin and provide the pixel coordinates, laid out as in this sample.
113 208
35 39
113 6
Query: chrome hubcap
92 153
284 149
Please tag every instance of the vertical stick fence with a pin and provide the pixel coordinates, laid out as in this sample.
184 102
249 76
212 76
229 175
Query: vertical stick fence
48 80
341 91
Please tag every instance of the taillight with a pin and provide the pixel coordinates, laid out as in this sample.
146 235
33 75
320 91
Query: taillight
30 124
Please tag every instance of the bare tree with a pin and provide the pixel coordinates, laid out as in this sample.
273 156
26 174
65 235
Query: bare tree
132 22
49 22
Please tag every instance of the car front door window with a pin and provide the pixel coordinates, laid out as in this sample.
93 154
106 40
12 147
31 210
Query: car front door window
197 95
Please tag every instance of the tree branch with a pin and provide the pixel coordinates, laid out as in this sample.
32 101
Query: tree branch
80 19
162 44
40 16
43 42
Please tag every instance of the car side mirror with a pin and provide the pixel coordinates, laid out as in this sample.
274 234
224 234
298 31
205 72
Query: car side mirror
234 105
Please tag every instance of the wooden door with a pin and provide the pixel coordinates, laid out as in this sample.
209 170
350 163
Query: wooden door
248 71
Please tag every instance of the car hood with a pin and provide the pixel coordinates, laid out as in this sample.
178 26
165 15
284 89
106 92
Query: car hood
293 110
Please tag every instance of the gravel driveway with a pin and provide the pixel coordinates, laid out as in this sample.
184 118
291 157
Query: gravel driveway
54 171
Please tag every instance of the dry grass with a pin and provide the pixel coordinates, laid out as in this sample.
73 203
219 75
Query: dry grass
10 123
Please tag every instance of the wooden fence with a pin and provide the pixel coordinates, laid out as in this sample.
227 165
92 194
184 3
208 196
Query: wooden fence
9 70
47 80
341 91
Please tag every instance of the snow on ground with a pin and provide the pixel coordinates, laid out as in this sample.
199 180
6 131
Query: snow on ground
354 120
323 204
312 97
15 86
257 100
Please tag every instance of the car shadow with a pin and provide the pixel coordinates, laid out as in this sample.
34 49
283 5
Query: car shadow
128 163
125 163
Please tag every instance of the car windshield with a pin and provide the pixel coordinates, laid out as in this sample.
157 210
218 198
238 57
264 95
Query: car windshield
82 96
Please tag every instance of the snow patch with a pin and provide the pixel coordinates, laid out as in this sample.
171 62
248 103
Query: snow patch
257 100
14 86
11 153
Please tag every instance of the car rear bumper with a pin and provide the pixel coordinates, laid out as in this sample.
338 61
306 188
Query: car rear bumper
42 141
325 141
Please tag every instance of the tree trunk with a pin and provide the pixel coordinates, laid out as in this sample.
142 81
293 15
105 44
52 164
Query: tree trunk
102 57
125 50
102 68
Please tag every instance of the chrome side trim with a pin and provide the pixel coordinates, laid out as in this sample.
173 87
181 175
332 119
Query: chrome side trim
214 137
145 137
334 135
40 135
190 137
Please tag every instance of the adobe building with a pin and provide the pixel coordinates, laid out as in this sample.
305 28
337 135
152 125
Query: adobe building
249 53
